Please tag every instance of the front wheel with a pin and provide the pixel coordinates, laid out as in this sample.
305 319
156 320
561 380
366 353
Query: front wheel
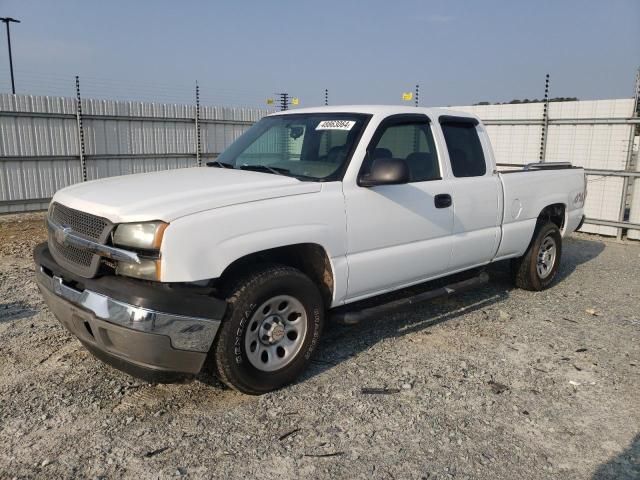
271 329
538 267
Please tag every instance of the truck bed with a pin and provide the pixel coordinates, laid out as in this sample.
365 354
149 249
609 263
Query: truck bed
527 189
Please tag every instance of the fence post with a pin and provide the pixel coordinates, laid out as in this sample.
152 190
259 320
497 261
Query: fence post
198 144
83 162
545 121
627 165
416 131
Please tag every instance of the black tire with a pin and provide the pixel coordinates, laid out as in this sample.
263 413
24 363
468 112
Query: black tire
232 364
525 269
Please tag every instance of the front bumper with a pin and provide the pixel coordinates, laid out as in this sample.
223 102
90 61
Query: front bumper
149 331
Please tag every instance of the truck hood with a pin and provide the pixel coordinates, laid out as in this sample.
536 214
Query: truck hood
171 194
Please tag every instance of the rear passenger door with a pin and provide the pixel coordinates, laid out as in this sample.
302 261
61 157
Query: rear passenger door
475 191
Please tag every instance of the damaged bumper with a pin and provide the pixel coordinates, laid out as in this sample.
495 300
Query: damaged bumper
153 332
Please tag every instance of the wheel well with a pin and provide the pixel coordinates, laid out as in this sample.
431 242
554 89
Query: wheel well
309 258
553 213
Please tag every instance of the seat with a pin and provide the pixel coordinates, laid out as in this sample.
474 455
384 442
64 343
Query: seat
382 153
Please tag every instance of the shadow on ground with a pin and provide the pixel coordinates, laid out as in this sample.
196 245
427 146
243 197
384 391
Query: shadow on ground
577 251
622 467
341 342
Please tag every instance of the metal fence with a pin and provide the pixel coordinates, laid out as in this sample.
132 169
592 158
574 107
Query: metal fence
47 143
598 135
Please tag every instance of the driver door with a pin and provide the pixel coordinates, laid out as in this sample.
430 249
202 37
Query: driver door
398 235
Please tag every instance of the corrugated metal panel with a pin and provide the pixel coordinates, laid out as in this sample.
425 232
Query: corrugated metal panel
511 143
103 168
36 178
593 146
589 146
129 132
163 136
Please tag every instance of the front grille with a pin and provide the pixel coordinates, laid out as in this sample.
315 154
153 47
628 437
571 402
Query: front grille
84 224
73 254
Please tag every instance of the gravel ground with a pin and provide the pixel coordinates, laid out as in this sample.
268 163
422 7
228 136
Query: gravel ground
496 383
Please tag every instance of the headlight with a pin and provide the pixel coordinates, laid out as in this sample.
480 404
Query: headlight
142 236
147 236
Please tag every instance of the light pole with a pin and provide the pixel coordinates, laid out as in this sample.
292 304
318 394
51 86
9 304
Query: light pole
7 21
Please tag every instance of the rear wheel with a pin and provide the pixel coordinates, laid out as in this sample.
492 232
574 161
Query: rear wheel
538 267
271 329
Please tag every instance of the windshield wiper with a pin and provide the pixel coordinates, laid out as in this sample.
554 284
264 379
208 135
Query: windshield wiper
216 163
265 168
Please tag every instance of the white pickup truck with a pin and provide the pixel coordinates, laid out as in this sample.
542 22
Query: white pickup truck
236 265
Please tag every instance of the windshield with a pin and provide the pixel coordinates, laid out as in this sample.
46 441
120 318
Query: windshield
314 146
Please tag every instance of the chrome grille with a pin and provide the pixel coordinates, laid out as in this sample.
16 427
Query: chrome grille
73 254
95 228
83 223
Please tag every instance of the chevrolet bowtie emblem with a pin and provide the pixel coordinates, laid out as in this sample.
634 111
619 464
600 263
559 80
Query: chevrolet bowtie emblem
61 234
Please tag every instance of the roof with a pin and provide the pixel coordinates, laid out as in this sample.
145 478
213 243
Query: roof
384 110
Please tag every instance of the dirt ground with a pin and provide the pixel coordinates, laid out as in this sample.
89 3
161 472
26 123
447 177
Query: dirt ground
497 383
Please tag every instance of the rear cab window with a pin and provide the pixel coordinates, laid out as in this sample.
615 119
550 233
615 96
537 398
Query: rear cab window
464 146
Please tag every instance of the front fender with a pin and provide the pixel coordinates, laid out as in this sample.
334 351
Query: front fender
200 246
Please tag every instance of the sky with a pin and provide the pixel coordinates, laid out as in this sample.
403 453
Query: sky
241 52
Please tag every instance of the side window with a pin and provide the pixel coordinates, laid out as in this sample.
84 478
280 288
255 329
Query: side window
413 143
465 149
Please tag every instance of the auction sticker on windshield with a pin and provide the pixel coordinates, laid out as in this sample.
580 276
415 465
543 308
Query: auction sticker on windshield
336 125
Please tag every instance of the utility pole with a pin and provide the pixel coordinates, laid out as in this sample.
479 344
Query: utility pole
7 21
284 101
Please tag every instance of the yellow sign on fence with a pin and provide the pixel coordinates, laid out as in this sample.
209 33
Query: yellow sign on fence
407 96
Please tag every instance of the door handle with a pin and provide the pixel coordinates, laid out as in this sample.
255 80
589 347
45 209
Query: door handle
442 200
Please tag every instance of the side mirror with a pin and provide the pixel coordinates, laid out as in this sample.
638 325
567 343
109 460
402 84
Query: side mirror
386 171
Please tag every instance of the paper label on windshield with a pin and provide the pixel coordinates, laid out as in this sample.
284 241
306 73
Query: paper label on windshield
336 125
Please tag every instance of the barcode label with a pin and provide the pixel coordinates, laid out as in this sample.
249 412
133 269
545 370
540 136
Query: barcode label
336 125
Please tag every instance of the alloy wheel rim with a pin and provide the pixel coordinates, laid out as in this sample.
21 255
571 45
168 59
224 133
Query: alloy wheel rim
275 333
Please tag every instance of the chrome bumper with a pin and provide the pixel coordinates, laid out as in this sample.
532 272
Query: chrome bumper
186 333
